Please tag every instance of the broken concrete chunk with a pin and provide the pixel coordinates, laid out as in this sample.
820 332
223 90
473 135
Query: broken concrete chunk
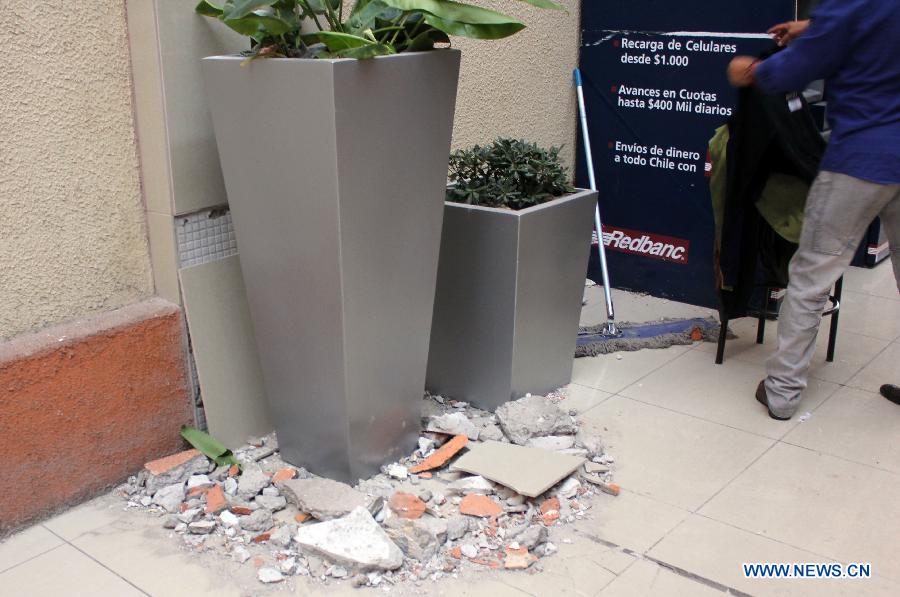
170 497
468 550
251 481
170 521
414 539
228 519
271 503
202 527
355 540
230 485
174 469
569 488
529 471
189 515
490 432
551 442
474 484
397 471
531 536
533 416
282 535
323 498
267 575
453 424
195 481
590 442
258 520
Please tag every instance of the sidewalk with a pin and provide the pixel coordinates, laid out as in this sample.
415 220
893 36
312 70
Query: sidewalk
709 482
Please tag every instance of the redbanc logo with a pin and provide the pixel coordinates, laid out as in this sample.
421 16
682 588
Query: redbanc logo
655 246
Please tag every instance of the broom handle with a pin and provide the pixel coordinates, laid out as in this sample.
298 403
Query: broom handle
601 249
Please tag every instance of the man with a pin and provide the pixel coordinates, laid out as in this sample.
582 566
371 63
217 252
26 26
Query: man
855 46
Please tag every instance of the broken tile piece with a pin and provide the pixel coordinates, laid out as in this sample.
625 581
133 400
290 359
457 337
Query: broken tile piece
323 498
479 505
283 475
442 454
355 540
518 559
215 499
162 465
406 505
529 471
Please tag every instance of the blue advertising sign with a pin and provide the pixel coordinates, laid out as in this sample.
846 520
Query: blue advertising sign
655 92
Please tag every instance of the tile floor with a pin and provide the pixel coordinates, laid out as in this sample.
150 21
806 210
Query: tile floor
709 482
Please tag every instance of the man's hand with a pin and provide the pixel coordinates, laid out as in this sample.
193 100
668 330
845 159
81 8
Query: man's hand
785 33
740 71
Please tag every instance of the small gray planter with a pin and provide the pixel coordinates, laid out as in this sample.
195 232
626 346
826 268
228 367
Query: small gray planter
509 292
335 172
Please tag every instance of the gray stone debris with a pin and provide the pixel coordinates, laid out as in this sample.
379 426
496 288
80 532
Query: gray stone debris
267 575
202 527
190 515
530 536
146 500
240 554
198 481
491 432
591 442
324 499
229 519
230 486
170 521
469 550
533 416
170 497
474 484
456 423
355 540
457 526
415 540
283 535
178 474
545 549
397 471
251 481
569 488
260 520
271 502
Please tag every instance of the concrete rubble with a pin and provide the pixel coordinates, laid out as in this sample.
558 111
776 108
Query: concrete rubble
417 521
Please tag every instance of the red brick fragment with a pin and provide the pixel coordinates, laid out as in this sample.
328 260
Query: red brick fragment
215 500
425 475
479 505
518 559
440 456
302 517
262 537
406 505
161 465
284 475
259 562
550 511
456 553
493 564
233 470
196 491
241 510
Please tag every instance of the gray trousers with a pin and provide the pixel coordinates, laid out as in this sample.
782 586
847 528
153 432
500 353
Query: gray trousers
838 211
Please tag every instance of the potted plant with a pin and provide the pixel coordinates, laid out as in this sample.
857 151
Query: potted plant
333 135
514 252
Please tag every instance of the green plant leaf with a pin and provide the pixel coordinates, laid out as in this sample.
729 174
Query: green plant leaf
364 52
209 446
545 4
208 9
364 18
242 8
473 30
252 23
454 11
337 42
426 40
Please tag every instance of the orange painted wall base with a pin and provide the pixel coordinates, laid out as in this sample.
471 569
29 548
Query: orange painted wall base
85 404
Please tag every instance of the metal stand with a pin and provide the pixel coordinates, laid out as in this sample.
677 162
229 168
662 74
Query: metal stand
833 312
610 328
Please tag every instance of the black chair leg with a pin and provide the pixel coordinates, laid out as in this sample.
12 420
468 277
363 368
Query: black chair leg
723 333
833 328
761 324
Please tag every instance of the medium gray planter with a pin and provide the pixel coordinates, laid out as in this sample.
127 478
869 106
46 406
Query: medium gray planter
335 172
509 292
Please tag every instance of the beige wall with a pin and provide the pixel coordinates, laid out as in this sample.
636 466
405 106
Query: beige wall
72 233
521 86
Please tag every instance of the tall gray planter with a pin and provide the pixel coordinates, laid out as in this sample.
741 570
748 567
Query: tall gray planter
335 172
509 292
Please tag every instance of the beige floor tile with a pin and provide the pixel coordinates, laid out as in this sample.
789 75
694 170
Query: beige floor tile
630 520
614 372
716 551
25 545
855 425
578 575
878 281
695 385
852 353
87 517
576 545
675 458
648 579
885 368
819 503
871 316
582 398
494 585
139 550
63 571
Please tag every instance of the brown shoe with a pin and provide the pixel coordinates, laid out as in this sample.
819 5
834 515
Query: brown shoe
891 392
764 400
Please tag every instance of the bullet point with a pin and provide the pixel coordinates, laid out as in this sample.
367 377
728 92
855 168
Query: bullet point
614 89
616 43
610 145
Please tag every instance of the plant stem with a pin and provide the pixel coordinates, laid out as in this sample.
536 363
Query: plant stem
333 19
396 33
310 12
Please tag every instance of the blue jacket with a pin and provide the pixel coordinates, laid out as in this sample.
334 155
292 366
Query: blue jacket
855 46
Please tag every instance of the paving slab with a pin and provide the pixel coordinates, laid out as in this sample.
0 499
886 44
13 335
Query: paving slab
529 471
